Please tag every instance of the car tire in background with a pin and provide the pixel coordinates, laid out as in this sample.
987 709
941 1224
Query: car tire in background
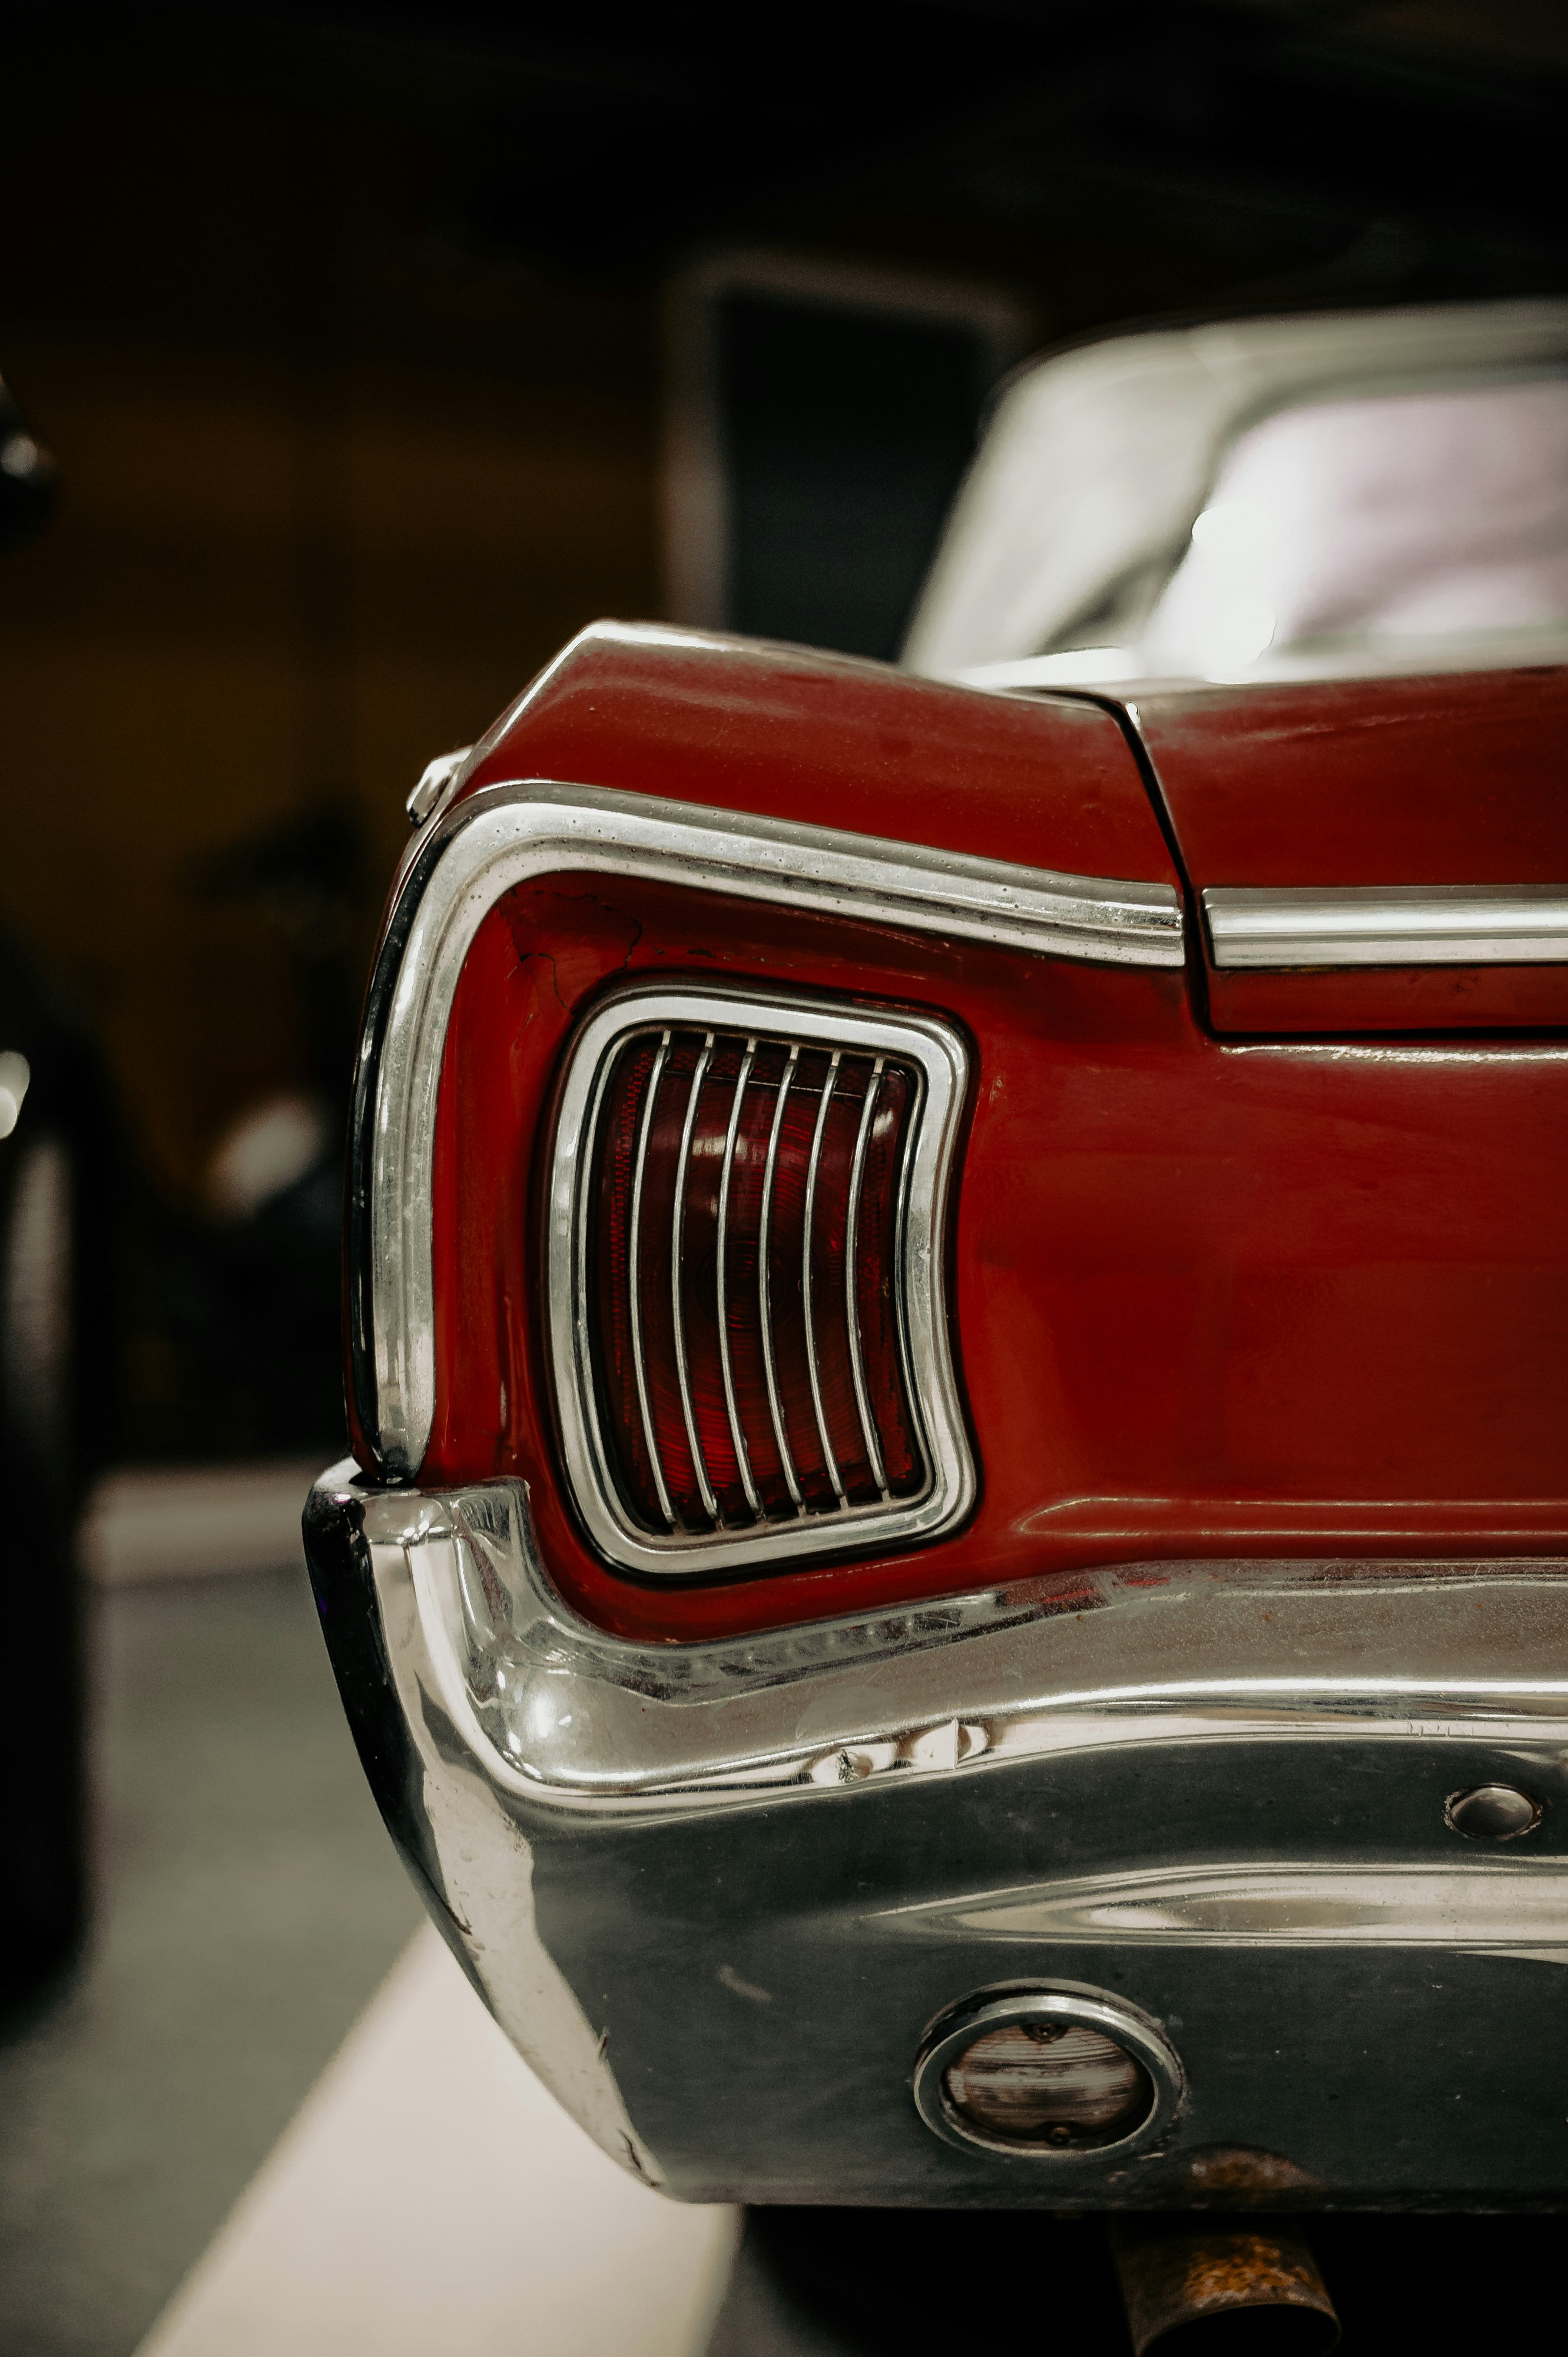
42 1825
59 1214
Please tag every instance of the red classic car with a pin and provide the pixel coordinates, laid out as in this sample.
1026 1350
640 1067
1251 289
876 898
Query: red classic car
954 1575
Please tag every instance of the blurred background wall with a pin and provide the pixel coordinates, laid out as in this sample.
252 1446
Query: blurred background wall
333 489
363 340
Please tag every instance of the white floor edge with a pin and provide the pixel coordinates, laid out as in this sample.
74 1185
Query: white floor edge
433 2200
189 1521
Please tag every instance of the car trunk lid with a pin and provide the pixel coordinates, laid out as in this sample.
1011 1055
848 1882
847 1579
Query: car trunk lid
1373 855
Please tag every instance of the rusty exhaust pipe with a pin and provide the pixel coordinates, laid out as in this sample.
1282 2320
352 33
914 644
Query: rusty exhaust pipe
1238 2288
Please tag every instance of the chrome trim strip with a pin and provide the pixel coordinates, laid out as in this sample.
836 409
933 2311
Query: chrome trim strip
764 1285
677 1313
850 1306
938 1063
721 1273
634 1280
1480 1903
1147 1655
1407 924
507 834
807 1225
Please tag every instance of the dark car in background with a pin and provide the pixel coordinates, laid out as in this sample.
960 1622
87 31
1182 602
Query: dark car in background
60 1207
133 1323
57 1162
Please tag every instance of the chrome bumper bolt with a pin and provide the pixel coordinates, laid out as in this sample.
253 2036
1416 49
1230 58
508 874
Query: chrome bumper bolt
1492 1813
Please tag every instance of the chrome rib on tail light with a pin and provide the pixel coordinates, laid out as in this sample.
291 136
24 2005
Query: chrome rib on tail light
749 1327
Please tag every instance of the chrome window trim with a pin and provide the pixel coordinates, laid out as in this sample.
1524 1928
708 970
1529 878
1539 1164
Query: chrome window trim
938 1057
510 832
1375 925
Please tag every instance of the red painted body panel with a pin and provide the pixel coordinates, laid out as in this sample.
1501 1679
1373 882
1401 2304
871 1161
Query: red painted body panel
1457 780
1210 1300
794 734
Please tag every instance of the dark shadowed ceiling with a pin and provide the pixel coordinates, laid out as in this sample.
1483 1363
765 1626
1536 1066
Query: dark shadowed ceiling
1396 149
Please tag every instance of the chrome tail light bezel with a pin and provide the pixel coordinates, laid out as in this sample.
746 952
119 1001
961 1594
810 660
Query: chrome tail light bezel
935 1053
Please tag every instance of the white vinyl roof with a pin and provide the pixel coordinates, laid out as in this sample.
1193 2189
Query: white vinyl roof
1100 459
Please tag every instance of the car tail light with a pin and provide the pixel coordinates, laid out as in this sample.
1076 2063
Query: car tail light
750 1333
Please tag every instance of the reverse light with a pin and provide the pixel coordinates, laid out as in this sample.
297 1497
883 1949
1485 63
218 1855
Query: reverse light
1056 2083
1053 2075
748 1323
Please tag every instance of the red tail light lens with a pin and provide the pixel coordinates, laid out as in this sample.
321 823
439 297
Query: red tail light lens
751 1348
745 1245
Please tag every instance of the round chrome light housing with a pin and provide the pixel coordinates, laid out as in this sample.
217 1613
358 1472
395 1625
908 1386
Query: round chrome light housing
1048 2074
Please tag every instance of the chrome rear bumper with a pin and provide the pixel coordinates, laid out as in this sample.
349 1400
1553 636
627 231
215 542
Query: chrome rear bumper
718 1893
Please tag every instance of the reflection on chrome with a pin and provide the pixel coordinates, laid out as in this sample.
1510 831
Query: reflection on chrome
1164 1655
1519 1906
1359 925
1105 1765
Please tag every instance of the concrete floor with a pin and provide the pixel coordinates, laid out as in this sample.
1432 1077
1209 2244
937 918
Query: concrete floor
249 1903
432 2199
